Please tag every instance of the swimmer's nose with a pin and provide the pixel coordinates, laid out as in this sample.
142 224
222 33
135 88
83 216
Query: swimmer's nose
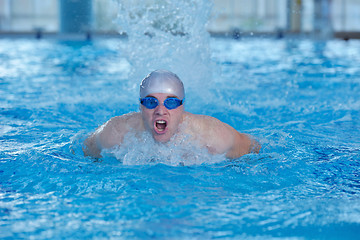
160 109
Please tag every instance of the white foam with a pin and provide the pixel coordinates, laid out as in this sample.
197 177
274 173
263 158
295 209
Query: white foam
162 35
140 149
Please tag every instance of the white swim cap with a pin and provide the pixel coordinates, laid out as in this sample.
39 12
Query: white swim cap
162 81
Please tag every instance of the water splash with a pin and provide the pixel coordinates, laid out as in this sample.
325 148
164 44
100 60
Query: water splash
167 35
142 149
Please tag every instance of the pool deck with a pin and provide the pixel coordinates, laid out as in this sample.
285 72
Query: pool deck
236 35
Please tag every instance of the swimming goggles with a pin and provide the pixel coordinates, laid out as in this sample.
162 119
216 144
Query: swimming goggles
169 103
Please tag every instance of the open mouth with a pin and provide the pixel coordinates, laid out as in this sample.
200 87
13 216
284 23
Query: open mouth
160 125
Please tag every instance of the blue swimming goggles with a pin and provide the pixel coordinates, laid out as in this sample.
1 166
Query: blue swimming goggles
169 103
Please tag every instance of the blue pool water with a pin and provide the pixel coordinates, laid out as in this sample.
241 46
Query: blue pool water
298 97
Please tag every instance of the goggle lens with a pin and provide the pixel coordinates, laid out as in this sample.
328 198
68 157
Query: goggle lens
172 103
149 102
169 103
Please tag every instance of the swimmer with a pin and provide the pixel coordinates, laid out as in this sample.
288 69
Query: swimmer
162 114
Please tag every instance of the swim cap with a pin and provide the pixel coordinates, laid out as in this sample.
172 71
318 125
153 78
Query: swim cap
162 81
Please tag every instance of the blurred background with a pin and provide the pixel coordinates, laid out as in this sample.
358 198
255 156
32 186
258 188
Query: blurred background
319 18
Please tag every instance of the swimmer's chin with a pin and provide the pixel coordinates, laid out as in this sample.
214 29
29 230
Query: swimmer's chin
168 138
162 138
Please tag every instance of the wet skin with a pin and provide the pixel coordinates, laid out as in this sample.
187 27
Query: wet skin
161 122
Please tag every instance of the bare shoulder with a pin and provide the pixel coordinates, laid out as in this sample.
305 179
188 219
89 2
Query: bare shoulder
218 136
211 132
127 121
114 130
112 133
204 124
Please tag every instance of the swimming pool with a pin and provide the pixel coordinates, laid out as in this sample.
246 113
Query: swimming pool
298 97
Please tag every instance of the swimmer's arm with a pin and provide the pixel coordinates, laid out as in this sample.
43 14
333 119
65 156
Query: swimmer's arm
242 144
90 147
106 136
221 138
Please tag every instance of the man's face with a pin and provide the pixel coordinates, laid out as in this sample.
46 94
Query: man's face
161 122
